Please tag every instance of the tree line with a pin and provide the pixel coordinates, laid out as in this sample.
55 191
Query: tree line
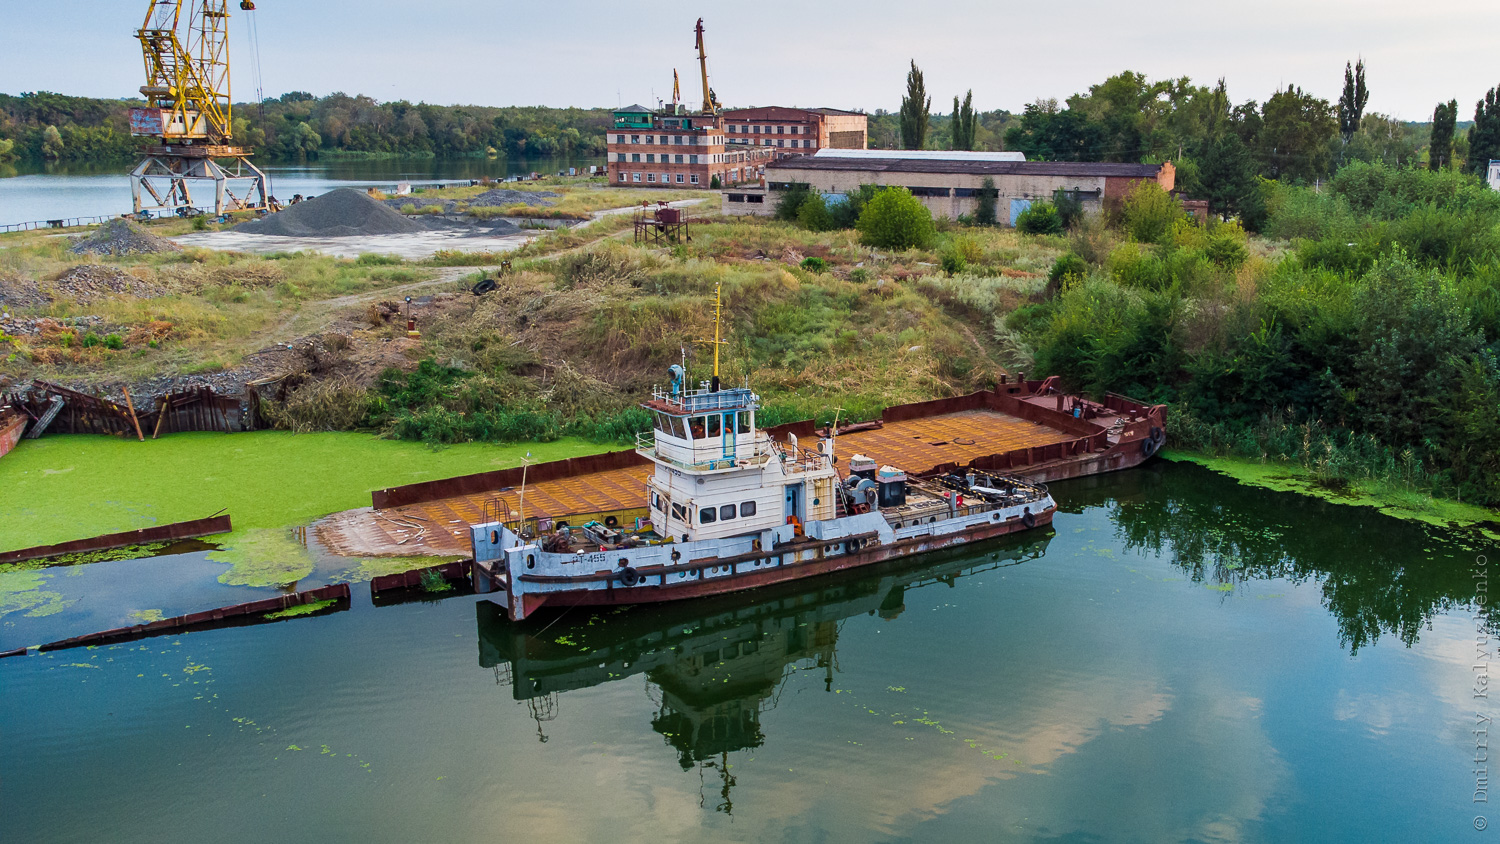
297 126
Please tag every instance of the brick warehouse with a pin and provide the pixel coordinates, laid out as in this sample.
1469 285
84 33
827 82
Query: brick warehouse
948 183
794 131
648 148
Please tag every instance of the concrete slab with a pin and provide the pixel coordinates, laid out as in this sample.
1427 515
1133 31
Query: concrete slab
412 247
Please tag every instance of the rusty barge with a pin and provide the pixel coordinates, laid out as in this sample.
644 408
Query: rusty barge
1028 430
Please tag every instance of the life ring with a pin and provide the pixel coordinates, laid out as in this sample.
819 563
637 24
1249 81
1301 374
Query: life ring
630 577
676 555
1028 519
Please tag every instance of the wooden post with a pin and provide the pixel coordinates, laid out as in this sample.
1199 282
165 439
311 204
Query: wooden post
130 405
161 414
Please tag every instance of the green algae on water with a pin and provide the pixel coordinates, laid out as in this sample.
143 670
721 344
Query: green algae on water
1289 477
303 609
368 569
22 591
261 557
146 616
65 487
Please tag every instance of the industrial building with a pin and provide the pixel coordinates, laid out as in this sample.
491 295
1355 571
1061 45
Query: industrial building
649 148
948 182
796 131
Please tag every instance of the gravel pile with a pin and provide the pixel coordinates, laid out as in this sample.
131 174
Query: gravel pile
121 237
20 326
91 282
19 294
341 213
501 197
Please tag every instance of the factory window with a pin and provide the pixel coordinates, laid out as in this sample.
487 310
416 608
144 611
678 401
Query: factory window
747 509
635 139
807 144
677 139
621 156
650 139
679 159
650 158
692 159
781 130
736 197
780 142
622 177
635 156
679 178
666 177
694 179
635 177
726 512
707 515
757 129
650 177
619 139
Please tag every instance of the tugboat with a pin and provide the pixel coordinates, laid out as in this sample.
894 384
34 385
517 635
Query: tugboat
730 508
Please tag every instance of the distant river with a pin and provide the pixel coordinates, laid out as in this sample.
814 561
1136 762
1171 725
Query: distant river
61 191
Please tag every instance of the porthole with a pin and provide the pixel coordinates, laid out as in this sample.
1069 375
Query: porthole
530 561
494 537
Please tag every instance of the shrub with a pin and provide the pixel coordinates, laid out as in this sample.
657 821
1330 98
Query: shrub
895 219
814 215
984 207
714 183
859 275
791 202
815 264
1069 207
1149 212
1132 266
200 223
114 341
953 263
1068 267
1040 218
90 340
1225 246
846 212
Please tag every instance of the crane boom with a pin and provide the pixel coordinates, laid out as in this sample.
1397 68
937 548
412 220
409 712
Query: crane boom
710 102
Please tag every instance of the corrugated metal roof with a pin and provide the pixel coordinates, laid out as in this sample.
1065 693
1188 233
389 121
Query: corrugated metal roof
978 168
920 154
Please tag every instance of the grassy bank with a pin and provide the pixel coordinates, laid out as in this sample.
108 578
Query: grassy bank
68 487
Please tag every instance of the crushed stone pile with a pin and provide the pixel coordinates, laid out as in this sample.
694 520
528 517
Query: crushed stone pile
501 197
17 294
91 282
121 237
340 213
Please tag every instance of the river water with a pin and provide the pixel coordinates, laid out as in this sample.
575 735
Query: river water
62 191
1181 659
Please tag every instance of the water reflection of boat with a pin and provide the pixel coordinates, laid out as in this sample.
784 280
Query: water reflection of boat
713 666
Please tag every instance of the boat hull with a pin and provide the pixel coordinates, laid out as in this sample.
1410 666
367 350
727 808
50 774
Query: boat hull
11 426
525 604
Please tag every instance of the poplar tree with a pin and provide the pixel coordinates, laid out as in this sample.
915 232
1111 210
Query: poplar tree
964 122
1440 148
1352 102
915 108
1484 135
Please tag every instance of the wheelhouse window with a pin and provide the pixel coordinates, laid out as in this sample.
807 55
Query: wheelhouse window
747 509
707 515
744 422
726 512
695 426
679 512
715 426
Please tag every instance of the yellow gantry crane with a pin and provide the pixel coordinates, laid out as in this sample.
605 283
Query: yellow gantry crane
189 112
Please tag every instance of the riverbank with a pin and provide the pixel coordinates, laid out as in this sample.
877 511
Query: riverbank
1400 504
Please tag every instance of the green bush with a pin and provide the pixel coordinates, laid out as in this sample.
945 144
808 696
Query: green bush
714 183
846 212
984 204
1068 267
813 213
859 275
1149 212
814 264
953 263
894 219
90 340
114 341
791 201
1069 207
1040 218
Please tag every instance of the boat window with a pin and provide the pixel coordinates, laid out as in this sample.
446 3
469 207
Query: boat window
679 429
679 512
726 512
744 422
747 508
695 425
707 515
663 423
713 425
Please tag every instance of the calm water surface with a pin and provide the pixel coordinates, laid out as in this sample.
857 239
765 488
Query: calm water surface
86 191
1182 659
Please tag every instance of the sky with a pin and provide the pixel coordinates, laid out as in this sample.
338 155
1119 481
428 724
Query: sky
841 54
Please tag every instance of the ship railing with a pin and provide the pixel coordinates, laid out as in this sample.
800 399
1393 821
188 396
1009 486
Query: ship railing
755 454
797 458
706 400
